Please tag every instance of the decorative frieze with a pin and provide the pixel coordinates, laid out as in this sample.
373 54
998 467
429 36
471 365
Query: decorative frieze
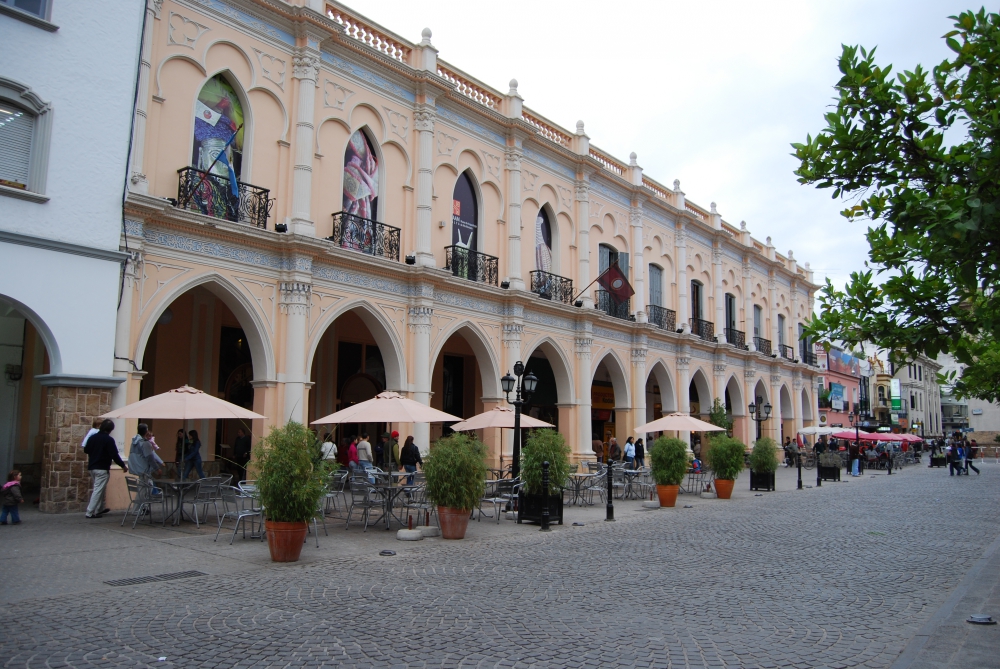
512 333
419 319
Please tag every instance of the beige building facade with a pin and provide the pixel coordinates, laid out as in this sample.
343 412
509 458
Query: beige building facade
399 225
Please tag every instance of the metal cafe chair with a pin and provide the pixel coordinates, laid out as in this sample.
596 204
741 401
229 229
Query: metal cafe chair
361 498
234 507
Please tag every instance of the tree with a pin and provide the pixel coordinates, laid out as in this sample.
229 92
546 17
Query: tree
719 417
916 154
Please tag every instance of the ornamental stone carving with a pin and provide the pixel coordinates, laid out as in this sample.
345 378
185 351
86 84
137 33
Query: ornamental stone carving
419 319
749 374
582 191
294 298
719 369
512 334
680 235
423 121
683 363
512 160
583 345
639 356
775 379
305 66
717 254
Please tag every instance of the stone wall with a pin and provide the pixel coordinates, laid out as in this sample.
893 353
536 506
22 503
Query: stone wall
69 413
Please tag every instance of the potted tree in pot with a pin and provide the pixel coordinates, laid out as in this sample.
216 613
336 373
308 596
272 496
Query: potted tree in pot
456 480
291 474
542 446
725 457
668 459
763 463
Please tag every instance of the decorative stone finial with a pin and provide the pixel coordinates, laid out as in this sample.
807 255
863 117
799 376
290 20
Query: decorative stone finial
632 159
426 35
579 127
677 184
513 87
807 267
743 226
768 241
791 255
714 210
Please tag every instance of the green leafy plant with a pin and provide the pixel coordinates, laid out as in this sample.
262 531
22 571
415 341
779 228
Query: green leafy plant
291 473
544 445
456 471
668 459
764 458
725 457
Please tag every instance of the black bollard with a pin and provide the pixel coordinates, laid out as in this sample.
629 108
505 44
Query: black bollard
545 496
819 479
798 460
611 505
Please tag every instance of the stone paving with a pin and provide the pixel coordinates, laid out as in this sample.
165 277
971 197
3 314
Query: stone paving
845 575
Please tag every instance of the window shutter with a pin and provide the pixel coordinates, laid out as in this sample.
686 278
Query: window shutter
17 127
604 260
623 263
655 286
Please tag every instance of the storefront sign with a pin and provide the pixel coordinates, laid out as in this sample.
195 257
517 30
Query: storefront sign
897 404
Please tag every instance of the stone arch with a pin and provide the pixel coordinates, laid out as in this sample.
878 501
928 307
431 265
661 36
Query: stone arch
246 312
785 403
668 398
376 148
46 334
362 110
619 380
736 399
480 204
176 56
381 330
486 358
281 105
807 408
703 389
562 368
246 166
760 390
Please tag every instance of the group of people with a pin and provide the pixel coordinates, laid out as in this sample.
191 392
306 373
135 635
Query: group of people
356 453
633 454
959 453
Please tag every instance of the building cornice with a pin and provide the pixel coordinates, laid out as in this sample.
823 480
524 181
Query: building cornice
62 247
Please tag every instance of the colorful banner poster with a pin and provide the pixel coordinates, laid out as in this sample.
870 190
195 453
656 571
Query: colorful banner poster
836 397
843 363
464 215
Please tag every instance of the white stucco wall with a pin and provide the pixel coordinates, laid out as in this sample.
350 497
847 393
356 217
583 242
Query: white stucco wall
86 71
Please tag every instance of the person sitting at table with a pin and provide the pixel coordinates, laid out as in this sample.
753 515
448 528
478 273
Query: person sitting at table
192 459
142 458
614 450
410 458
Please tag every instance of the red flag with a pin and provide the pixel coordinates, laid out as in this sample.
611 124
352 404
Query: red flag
616 283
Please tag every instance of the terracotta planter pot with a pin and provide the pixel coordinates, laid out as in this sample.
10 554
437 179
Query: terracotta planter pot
724 488
667 494
285 540
454 522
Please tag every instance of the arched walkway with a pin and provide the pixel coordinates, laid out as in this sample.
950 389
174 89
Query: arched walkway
609 399
700 394
786 413
659 391
554 397
736 406
761 398
464 371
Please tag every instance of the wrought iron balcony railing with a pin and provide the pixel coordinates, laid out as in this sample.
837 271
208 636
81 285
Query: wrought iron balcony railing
365 235
471 265
703 329
607 304
211 194
787 352
661 317
552 286
762 345
809 358
736 337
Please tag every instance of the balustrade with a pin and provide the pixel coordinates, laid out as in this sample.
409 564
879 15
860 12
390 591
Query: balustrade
473 91
366 34
212 195
735 337
607 162
472 265
787 352
365 235
703 329
665 319
552 286
547 130
762 345
607 303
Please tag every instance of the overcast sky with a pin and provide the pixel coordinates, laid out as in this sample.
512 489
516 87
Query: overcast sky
711 93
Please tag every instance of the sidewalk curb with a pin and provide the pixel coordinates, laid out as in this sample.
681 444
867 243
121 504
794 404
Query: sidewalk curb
916 644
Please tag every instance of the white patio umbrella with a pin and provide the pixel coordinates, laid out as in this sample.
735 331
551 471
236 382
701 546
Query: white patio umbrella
184 403
497 417
387 407
680 422
818 430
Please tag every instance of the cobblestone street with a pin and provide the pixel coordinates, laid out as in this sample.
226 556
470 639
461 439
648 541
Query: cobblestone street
841 576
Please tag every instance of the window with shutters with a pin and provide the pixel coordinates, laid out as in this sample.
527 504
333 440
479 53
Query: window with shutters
730 311
696 288
656 285
609 255
781 330
25 129
758 318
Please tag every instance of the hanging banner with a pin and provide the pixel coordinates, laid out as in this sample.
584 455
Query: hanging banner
836 397
897 404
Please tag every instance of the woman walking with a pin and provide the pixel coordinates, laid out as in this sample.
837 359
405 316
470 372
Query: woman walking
192 459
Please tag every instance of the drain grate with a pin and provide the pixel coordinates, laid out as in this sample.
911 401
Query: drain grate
138 580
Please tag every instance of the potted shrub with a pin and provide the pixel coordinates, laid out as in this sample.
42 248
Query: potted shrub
456 480
541 446
291 475
725 457
763 463
668 461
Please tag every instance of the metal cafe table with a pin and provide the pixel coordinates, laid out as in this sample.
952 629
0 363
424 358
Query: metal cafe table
178 490
579 479
389 492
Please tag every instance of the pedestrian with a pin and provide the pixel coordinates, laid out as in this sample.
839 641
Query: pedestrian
352 455
101 451
365 456
329 449
614 450
955 461
598 447
640 454
241 452
94 429
181 449
855 453
392 450
192 459
10 497
410 457
971 455
380 451
630 452
142 458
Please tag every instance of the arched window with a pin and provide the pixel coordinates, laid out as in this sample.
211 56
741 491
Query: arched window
361 177
656 285
465 214
543 242
218 114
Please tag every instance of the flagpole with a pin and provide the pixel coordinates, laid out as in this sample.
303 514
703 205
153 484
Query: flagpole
596 280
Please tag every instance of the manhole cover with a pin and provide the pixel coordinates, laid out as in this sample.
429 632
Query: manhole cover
387 553
981 619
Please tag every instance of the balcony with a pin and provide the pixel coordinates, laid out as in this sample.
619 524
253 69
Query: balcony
703 329
472 265
762 345
665 319
552 286
787 352
211 195
365 236
736 338
809 358
607 304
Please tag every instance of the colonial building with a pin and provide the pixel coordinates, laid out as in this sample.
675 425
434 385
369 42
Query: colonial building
839 386
397 224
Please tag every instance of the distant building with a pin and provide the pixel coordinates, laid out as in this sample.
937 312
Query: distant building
838 389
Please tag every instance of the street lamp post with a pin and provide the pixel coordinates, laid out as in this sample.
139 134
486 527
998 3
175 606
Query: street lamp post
761 412
519 387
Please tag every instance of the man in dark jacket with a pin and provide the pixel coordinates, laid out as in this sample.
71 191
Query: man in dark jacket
101 451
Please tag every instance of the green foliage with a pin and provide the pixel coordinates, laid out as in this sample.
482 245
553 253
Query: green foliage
915 152
764 457
718 416
544 445
668 461
725 457
456 471
291 473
